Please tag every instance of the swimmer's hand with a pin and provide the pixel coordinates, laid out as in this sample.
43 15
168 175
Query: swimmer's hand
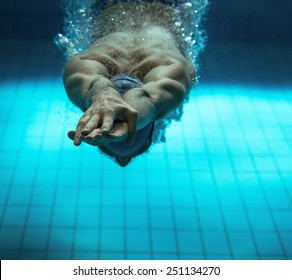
118 133
108 119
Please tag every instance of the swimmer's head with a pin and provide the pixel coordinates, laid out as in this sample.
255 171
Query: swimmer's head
121 151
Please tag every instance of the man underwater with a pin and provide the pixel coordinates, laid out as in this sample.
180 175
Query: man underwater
134 74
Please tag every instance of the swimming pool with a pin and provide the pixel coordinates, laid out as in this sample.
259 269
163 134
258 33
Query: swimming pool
219 188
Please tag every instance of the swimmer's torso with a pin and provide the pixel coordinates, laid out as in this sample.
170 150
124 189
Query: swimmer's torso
135 52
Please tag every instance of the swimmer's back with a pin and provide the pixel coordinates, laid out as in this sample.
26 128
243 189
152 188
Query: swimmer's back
139 52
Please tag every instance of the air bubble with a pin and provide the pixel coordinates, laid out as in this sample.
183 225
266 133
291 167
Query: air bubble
81 30
188 5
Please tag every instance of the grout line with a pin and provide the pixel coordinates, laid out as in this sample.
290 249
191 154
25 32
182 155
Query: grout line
195 199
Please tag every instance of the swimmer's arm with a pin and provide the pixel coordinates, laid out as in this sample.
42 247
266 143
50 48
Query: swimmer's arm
165 89
88 87
79 77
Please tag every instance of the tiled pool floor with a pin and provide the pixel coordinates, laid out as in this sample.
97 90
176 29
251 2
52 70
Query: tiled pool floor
219 188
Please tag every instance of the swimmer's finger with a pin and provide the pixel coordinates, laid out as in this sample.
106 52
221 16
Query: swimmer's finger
95 138
103 140
71 134
119 132
131 119
107 124
91 124
96 133
82 122
77 140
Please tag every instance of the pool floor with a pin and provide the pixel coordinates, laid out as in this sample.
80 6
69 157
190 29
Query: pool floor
219 188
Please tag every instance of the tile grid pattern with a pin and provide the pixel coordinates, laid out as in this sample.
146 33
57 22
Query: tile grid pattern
220 188
30 19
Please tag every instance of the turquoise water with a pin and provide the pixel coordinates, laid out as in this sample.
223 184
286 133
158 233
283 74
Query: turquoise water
219 188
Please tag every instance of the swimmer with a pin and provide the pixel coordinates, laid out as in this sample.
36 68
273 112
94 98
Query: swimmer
130 77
